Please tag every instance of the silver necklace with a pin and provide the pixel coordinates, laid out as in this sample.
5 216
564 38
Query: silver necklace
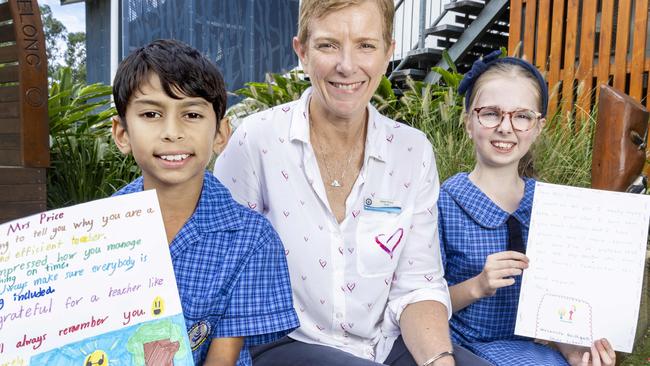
336 183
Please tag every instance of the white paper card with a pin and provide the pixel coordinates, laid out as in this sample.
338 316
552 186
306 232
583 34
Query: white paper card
91 284
587 251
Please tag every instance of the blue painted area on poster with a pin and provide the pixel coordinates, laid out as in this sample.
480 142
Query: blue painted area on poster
124 347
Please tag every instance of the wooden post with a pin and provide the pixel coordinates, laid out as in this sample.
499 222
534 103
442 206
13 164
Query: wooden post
24 130
618 155
32 66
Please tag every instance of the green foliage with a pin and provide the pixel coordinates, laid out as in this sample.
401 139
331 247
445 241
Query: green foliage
435 110
641 354
85 164
74 53
55 33
278 89
78 105
562 153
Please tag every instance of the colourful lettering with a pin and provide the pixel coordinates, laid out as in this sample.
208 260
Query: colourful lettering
35 342
81 326
128 315
123 291
50 216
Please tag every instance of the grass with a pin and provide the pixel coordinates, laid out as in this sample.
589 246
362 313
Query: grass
563 152
641 354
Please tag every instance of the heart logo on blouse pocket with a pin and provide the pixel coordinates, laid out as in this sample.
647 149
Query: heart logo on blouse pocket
393 241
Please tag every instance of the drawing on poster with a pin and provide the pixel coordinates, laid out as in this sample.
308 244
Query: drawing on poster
561 317
76 287
154 343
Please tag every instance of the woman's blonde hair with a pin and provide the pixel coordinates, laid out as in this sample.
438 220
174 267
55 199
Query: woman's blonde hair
314 9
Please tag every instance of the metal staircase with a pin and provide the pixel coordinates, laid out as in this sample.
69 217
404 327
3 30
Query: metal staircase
467 29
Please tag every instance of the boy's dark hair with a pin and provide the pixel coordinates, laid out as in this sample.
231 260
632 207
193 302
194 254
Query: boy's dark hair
180 68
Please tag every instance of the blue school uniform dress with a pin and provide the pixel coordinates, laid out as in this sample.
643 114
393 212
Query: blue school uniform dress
231 273
471 227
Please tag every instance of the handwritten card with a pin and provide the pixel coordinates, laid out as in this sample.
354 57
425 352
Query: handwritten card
91 284
587 251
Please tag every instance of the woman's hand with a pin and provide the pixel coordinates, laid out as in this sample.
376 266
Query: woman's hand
498 271
601 353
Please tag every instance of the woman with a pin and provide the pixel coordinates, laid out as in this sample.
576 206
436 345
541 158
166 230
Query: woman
484 218
352 195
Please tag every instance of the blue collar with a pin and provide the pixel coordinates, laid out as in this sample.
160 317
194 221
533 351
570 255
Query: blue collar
215 211
480 207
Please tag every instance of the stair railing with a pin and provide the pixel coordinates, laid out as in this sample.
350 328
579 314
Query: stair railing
401 21
479 26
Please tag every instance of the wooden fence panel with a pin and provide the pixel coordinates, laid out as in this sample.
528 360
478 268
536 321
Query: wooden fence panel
638 49
622 38
541 56
557 37
621 57
568 71
23 192
515 25
605 46
585 62
529 30
605 41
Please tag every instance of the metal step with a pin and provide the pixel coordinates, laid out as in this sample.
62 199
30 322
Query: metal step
493 40
400 76
465 7
445 31
501 26
490 13
477 48
490 40
425 57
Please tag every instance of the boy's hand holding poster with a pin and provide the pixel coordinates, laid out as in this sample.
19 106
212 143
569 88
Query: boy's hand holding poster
90 284
587 250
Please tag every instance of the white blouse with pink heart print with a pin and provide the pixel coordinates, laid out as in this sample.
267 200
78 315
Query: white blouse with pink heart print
352 280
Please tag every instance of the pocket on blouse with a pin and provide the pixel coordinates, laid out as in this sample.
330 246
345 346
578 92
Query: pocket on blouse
381 238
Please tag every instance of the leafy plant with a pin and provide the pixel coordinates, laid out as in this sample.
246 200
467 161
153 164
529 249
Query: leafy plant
435 110
563 152
85 164
278 89
78 107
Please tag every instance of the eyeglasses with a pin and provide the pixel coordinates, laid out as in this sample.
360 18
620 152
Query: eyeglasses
520 119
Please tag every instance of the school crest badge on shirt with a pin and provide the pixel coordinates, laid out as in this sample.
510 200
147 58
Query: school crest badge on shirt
198 333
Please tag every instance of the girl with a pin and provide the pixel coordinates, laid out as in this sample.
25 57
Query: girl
484 217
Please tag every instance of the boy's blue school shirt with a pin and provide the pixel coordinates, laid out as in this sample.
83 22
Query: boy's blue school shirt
471 227
231 273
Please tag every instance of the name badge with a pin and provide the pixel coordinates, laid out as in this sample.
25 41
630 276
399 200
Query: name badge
382 205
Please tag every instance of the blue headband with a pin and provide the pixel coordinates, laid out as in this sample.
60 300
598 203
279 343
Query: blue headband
483 64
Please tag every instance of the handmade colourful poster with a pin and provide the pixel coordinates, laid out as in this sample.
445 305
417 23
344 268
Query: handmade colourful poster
587 250
91 285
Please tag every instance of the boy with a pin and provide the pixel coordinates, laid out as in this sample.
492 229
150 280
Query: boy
229 262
